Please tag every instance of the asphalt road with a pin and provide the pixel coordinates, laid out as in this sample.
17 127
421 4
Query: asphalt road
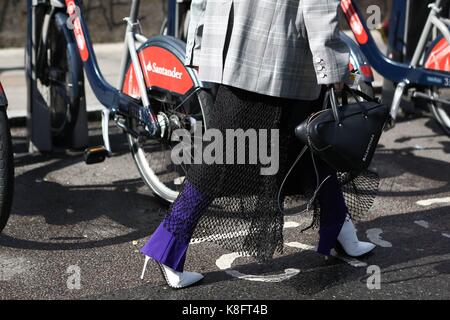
70 219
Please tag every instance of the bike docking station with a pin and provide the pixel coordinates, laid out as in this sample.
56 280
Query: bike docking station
56 113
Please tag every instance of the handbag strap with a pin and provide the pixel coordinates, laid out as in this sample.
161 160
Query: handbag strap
334 105
355 93
325 100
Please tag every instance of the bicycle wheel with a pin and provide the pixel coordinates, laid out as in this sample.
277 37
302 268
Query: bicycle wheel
55 83
6 170
153 157
440 111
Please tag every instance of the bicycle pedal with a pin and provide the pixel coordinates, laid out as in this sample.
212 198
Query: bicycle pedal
95 155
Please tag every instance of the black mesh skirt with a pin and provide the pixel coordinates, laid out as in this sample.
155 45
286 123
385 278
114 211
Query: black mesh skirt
243 214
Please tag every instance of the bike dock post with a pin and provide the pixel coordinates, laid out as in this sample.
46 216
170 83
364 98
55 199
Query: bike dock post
38 112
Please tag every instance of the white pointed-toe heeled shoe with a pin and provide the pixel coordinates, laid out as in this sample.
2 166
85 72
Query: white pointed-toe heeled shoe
350 243
175 279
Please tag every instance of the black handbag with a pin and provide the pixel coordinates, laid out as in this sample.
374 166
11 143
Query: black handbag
345 136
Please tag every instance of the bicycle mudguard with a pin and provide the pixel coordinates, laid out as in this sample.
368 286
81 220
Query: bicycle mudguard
76 65
358 60
162 61
3 99
438 57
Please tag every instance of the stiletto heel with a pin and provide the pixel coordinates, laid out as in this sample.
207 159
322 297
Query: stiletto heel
147 259
174 279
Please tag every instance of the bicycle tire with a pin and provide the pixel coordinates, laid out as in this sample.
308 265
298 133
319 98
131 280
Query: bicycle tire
6 170
440 112
57 85
162 189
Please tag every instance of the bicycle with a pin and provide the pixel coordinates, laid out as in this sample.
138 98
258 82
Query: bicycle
156 94
428 72
6 163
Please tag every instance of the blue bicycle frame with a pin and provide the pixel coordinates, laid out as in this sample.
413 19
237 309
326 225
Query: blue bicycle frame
394 71
172 17
108 96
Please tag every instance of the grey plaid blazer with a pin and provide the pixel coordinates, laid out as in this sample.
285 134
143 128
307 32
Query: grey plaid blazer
282 48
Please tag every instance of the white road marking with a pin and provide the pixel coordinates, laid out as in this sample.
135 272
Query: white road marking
374 235
289 273
225 263
219 237
422 223
287 225
301 246
305 247
430 202
11 267
291 225
179 181
426 225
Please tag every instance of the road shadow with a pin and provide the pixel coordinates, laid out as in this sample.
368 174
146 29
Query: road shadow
123 203
412 244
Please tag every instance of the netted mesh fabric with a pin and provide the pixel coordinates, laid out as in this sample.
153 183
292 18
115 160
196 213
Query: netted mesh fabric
238 207
359 191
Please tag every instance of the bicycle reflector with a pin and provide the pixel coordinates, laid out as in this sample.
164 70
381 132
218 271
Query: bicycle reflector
366 70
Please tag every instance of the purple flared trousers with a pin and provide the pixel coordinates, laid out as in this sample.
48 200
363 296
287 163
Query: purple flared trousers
163 246
166 249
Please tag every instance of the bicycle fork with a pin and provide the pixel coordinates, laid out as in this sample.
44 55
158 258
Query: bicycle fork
395 107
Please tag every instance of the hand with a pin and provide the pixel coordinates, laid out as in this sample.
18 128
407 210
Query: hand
338 87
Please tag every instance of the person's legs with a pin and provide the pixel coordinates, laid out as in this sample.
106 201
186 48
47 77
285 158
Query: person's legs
333 210
335 225
169 243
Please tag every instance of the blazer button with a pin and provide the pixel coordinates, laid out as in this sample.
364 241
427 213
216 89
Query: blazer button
319 60
320 68
323 75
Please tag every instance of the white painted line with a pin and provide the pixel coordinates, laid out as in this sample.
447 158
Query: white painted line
291 225
301 246
287 225
422 223
305 247
374 235
12 267
219 237
446 235
289 273
225 263
430 202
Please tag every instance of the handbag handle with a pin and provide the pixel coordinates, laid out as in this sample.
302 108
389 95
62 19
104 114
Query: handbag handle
334 106
331 95
355 94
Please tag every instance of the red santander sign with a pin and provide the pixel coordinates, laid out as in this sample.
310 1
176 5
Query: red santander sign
74 13
354 21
